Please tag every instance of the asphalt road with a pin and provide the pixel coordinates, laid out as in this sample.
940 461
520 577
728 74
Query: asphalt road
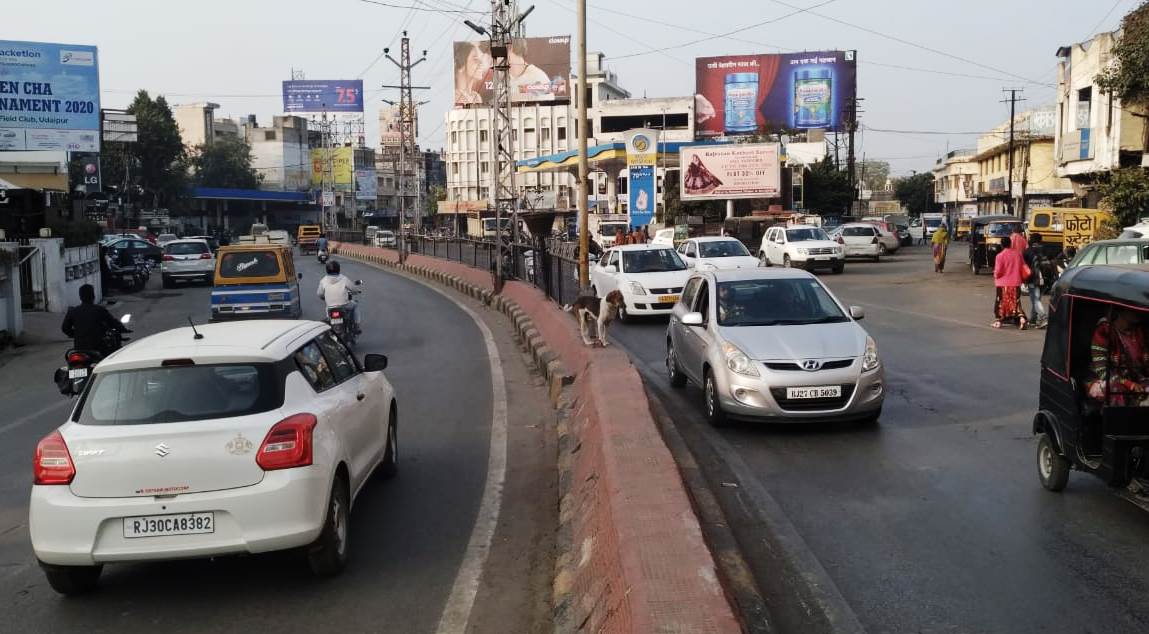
934 520
408 536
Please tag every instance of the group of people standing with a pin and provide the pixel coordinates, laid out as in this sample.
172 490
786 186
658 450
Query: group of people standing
634 236
1018 265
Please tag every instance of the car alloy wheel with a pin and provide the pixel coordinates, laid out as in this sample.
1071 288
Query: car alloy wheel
786 262
327 555
763 260
673 372
882 250
714 411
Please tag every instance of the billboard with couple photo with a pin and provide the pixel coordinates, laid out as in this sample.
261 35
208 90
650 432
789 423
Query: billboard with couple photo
540 71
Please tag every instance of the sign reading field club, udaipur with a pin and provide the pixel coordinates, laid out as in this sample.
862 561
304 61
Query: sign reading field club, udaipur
49 97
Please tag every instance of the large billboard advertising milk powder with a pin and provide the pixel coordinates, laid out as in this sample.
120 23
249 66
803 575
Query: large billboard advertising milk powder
540 71
743 94
49 97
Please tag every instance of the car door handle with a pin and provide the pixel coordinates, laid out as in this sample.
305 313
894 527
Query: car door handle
360 396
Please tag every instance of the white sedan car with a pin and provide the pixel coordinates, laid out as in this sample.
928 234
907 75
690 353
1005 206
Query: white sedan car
247 437
649 277
716 254
803 246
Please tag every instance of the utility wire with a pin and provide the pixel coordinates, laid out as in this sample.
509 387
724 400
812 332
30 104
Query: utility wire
416 7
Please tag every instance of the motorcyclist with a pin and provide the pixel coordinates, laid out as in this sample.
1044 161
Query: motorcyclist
87 323
321 244
335 290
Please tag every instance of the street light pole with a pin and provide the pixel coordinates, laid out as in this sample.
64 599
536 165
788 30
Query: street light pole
583 225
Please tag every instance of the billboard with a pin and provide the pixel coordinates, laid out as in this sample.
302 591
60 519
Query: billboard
641 154
741 94
540 70
49 97
323 95
728 171
366 184
341 161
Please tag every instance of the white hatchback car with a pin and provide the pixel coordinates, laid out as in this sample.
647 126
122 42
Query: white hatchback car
860 240
187 260
650 278
803 246
716 254
245 437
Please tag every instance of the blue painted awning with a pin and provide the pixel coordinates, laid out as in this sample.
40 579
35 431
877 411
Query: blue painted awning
222 193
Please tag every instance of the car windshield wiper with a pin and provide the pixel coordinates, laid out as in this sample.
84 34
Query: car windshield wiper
828 319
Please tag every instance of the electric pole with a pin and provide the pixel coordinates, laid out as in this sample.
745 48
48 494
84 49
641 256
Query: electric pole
503 195
853 109
407 131
1009 159
583 132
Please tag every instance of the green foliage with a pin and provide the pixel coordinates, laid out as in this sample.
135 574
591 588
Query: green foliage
76 233
158 157
916 193
431 202
224 163
827 188
1126 194
1128 76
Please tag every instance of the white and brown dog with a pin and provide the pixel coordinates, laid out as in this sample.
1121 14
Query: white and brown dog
600 310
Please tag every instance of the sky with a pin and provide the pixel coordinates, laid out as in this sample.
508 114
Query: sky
927 68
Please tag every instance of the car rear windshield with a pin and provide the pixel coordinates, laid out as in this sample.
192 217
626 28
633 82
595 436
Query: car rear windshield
249 264
722 249
776 302
1002 229
180 393
651 261
803 235
858 231
186 248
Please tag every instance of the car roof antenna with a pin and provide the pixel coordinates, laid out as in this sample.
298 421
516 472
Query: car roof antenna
191 323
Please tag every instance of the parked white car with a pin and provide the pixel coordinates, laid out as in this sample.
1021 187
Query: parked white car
716 254
386 239
165 238
887 236
649 277
802 246
257 436
860 240
187 261
663 238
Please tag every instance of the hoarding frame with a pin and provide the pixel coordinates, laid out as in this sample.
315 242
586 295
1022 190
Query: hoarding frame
49 96
547 65
322 95
731 171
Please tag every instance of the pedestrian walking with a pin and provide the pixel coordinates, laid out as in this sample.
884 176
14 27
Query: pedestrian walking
619 237
941 243
1017 240
1035 259
1009 271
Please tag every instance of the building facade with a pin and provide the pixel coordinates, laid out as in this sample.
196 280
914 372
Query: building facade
1034 180
955 183
196 122
1095 134
280 153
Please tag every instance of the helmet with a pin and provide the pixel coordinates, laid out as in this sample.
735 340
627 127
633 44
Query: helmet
333 268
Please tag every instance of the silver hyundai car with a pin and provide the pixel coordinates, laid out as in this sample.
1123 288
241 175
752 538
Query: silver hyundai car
773 345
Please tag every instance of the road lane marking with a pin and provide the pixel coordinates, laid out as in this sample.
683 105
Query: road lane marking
19 422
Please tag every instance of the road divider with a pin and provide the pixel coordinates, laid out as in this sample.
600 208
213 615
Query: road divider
631 553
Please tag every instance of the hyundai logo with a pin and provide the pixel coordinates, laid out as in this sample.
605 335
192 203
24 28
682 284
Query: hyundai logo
162 450
811 365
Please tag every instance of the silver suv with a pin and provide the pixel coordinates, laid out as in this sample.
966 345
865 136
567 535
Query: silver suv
774 345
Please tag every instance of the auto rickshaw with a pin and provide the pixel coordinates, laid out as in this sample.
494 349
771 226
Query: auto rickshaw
1092 411
254 281
985 234
961 231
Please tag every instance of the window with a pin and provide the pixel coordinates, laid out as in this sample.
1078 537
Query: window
186 248
545 135
776 302
562 131
1084 101
613 259
249 264
691 252
702 301
1123 254
314 367
342 363
856 232
181 393
454 138
690 291
483 136
802 235
269 135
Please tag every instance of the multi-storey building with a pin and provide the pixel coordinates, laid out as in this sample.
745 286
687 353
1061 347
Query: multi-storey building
1033 176
955 183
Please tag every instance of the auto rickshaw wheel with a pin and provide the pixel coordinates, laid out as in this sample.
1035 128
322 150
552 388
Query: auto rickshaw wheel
1052 467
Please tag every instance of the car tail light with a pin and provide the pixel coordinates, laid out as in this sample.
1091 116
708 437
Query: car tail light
205 256
78 358
288 444
53 462
168 258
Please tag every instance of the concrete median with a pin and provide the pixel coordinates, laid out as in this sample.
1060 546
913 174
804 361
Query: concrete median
632 556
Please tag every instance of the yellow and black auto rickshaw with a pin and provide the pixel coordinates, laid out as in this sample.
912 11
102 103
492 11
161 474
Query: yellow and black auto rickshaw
254 281
1092 410
985 234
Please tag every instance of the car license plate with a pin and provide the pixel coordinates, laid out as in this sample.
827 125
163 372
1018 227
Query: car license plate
77 373
827 391
161 525
667 299
336 321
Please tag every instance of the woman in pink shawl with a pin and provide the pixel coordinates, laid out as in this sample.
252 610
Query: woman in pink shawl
1017 240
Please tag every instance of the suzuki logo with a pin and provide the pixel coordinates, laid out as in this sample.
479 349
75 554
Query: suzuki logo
811 365
162 450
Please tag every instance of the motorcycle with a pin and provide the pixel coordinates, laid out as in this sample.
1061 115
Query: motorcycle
342 321
322 256
72 377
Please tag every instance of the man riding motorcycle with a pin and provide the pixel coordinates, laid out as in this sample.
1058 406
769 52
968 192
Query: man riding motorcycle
89 322
321 248
335 290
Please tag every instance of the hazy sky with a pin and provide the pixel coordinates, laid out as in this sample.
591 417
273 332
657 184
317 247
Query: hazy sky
237 52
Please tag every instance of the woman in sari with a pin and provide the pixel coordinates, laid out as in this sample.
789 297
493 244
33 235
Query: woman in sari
941 242
1008 276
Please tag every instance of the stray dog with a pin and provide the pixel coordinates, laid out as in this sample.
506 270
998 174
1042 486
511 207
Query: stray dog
601 310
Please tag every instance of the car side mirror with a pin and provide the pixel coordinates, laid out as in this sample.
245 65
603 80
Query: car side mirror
692 319
610 269
375 362
857 313
359 282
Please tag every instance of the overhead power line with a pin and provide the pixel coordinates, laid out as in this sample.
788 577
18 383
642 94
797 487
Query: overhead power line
416 7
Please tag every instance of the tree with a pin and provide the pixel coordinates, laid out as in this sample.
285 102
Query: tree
224 163
873 174
827 188
1126 194
157 159
916 193
1127 77
431 202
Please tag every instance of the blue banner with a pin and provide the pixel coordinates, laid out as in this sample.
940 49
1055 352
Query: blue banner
641 155
49 97
318 95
